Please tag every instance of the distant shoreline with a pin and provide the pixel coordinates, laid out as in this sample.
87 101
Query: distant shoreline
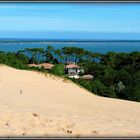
99 46
16 40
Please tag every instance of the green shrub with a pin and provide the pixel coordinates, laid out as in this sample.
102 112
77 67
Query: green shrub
99 88
58 69
111 91
85 84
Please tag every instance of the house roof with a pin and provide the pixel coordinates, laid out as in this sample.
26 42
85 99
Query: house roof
45 65
88 76
32 65
72 66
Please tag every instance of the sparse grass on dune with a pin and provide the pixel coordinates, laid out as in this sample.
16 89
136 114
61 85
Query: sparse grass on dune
54 77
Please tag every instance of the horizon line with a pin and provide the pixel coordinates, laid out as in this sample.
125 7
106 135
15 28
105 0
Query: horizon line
70 39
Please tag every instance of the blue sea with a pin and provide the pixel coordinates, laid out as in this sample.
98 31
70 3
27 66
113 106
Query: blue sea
94 46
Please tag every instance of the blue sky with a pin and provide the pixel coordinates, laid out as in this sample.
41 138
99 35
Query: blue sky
70 20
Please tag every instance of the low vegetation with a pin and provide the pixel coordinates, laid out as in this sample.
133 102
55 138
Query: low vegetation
116 75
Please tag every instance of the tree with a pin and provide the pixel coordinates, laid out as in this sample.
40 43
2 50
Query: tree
66 52
124 76
49 54
121 92
58 69
88 55
109 75
123 59
109 59
134 57
79 52
34 54
2 56
59 55
22 57
99 88
83 83
72 53
111 91
120 86
135 93
96 57
87 66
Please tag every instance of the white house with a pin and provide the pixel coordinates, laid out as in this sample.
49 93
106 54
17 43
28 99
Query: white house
73 69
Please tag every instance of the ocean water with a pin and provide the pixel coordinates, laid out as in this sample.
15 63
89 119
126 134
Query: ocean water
94 46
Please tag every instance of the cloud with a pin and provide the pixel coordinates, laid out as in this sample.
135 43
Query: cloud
6 6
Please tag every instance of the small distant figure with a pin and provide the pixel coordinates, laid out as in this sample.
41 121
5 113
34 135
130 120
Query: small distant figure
20 91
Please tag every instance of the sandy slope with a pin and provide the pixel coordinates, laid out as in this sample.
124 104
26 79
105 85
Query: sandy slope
50 107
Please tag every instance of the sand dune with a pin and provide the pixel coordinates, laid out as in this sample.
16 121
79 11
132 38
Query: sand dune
49 107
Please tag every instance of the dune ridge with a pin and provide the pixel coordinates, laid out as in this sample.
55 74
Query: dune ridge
50 107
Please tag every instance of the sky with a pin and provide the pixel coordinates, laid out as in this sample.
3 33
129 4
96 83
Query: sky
70 20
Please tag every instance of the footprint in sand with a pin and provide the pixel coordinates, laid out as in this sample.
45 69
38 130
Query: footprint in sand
78 135
48 120
23 133
69 131
7 124
35 115
68 128
94 131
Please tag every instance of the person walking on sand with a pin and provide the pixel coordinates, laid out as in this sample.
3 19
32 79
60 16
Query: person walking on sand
20 91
